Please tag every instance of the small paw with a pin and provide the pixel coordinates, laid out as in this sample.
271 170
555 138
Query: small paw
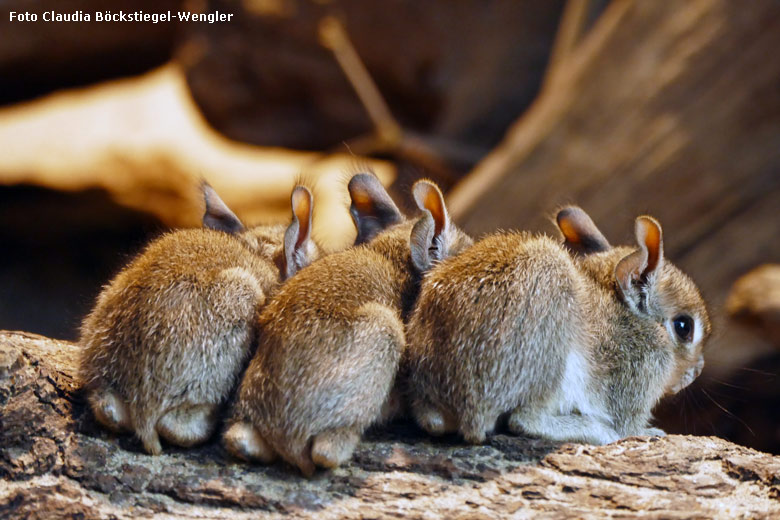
110 411
515 425
244 442
333 448
654 432
431 420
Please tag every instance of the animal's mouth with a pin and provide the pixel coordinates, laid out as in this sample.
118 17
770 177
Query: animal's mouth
689 376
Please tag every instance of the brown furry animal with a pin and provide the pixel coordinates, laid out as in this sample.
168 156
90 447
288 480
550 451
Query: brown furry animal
575 341
331 339
168 337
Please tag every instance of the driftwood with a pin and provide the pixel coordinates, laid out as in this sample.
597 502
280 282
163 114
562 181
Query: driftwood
55 460
755 300
144 141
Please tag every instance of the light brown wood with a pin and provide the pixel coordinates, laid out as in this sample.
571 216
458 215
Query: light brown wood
566 39
144 141
56 461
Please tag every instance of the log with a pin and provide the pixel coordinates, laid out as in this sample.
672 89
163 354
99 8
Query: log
144 141
54 460
646 117
755 300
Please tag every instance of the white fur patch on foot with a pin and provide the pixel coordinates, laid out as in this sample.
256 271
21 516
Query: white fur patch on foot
244 442
110 410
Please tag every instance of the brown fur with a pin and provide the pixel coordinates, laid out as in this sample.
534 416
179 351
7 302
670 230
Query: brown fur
519 324
330 344
168 337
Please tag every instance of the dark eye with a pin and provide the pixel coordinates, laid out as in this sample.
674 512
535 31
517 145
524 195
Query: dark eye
683 327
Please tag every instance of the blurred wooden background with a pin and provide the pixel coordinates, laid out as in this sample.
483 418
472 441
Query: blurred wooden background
514 106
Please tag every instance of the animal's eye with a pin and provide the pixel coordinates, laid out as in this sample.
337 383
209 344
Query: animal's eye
683 327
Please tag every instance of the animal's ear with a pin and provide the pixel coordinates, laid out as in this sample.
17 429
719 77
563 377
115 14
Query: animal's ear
432 235
580 234
218 216
639 269
299 249
372 209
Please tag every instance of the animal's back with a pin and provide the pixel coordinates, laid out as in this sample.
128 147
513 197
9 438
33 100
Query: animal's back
182 305
494 322
330 338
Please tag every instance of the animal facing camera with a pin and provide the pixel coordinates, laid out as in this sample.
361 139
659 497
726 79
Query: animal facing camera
372 209
580 233
218 216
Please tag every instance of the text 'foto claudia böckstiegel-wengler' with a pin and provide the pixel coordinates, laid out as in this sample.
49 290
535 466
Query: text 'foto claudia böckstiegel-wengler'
120 16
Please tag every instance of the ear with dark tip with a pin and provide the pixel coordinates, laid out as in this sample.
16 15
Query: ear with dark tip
298 248
372 209
218 216
638 269
580 234
432 234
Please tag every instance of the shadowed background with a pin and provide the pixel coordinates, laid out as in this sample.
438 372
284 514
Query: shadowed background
514 106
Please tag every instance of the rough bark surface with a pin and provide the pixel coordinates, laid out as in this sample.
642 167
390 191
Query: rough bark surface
664 108
54 459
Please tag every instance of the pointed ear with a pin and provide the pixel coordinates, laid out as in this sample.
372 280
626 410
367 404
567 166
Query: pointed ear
218 216
432 235
639 268
372 209
298 247
580 234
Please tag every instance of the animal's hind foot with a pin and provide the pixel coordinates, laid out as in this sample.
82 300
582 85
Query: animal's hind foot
244 442
475 426
188 425
110 410
333 448
433 420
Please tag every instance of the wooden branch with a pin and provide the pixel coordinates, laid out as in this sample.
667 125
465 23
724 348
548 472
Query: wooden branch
388 135
568 36
755 300
54 460
334 37
144 141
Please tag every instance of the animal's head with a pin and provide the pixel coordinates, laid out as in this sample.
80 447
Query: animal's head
650 286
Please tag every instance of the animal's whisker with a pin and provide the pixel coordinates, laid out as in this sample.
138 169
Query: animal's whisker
727 412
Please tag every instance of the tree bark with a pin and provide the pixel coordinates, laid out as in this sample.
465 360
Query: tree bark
54 460
667 108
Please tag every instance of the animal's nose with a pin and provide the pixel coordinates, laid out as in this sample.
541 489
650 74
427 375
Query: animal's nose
698 368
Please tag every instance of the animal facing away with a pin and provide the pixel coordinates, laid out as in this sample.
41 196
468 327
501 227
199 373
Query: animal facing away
167 339
574 341
331 339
